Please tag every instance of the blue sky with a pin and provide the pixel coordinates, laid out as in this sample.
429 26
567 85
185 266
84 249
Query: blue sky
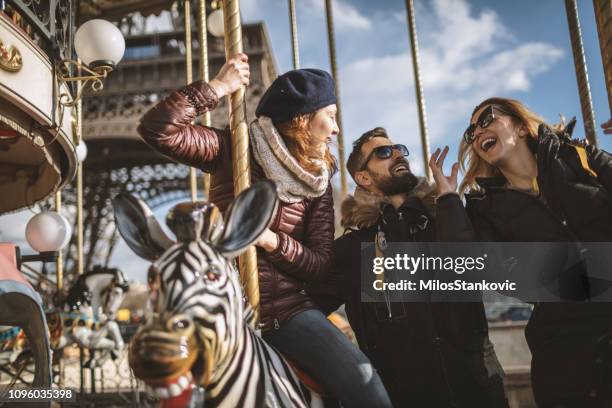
470 50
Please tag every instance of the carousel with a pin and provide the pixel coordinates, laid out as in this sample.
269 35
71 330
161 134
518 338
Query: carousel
62 73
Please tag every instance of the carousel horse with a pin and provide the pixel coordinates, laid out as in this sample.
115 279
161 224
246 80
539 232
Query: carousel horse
89 312
201 333
21 317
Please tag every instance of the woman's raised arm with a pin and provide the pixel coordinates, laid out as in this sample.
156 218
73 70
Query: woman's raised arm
168 127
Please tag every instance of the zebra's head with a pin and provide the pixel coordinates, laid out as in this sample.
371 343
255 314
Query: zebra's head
198 305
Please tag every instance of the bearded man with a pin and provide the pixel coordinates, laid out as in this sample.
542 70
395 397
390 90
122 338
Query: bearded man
427 354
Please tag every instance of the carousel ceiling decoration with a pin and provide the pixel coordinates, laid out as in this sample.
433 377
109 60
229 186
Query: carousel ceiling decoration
10 58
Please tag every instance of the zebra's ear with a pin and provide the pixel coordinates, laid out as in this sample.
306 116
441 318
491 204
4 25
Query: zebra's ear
139 228
247 218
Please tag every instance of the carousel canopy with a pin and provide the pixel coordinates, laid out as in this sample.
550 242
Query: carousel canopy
30 167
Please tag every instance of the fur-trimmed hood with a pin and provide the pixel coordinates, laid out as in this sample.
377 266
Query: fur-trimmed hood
363 208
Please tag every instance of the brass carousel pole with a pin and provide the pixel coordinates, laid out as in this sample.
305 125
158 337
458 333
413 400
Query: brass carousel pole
420 96
584 90
603 15
79 186
59 263
332 58
203 74
193 180
240 146
294 35
59 274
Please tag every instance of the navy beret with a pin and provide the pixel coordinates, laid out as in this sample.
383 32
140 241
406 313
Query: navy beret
296 93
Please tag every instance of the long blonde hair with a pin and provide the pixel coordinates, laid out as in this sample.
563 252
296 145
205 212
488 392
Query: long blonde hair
296 134
472 165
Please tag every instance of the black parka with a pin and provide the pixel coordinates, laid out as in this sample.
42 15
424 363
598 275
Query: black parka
571 343
434 355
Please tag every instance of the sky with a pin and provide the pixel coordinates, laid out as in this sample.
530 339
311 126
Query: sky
469 50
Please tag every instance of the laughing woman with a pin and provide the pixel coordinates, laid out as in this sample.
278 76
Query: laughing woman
525 182
289 145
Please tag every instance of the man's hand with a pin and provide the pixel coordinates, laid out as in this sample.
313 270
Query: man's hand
444 184
607 127
233 74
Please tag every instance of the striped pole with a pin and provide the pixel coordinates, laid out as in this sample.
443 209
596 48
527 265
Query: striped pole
603 15
418 87
240 146
294 35
193 181
332 59
59 263
584 89
203 74
79 185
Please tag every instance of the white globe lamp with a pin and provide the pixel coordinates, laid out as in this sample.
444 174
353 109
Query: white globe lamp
215 23
48 231
81 151
98 43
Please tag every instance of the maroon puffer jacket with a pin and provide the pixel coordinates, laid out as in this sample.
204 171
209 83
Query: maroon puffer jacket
305 229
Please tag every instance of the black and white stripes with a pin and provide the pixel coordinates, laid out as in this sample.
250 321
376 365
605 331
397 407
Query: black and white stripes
199 282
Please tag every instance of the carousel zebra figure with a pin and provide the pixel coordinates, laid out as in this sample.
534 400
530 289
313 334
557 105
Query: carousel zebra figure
199 334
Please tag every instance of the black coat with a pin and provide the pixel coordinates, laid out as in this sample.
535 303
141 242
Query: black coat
568 341
427 354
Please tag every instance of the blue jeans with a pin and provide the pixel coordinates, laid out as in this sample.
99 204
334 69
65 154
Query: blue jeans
324 352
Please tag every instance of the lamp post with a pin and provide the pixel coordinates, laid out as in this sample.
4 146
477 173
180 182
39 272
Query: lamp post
99 46
48 232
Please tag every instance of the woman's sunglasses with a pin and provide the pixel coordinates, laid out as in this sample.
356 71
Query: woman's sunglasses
484 120
384 152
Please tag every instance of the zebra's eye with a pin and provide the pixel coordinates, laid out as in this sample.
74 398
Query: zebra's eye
180 324
212 274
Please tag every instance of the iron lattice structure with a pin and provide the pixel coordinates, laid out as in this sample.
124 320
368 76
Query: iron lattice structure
118 160
155 182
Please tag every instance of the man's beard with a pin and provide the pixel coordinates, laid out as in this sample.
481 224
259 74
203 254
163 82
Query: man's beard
396 184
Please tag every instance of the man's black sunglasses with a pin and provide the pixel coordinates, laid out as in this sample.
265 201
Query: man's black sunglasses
384 152
486 117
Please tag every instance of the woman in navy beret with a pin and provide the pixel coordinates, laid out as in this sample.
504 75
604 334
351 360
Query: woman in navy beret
289 144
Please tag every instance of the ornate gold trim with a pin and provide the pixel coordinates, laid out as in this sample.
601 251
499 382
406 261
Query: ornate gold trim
10 58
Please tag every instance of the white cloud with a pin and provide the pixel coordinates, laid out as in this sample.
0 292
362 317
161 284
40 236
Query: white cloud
464 59
346 17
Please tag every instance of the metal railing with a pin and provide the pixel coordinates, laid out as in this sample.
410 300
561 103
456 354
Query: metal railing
49 23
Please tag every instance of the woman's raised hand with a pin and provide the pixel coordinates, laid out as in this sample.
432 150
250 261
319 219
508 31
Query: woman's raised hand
444 184
233 74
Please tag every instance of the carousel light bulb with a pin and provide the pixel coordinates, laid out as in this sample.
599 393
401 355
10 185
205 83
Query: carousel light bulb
215 23
99 43
48 231
81 151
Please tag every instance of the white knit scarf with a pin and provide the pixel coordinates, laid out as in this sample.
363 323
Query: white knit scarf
294 184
